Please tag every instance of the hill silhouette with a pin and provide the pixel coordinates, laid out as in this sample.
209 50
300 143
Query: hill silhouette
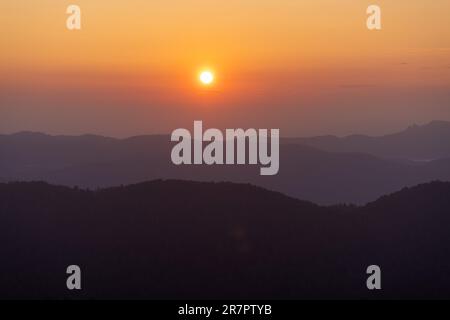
306 172
426 142
188 240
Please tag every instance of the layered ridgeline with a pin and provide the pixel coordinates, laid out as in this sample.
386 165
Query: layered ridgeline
420 143
326 170
188 240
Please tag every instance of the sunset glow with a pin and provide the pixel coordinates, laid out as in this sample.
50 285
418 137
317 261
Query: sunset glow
302 62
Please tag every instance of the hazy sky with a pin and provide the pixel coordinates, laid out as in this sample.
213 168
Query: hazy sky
306 67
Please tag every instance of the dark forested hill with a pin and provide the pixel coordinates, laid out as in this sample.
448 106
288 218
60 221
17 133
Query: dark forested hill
175 239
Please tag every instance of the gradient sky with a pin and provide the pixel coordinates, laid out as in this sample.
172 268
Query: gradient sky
306 67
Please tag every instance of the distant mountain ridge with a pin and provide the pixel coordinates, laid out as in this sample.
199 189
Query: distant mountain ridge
418 142
426 142
306 172
191 240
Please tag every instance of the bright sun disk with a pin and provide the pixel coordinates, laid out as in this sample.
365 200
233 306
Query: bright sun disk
206 77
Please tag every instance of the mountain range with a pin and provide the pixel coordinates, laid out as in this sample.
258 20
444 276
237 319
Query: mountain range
325 170
420 143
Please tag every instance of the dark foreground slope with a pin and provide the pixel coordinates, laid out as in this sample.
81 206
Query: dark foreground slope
175 239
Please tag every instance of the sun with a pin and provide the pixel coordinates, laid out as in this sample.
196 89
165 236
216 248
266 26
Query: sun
206 77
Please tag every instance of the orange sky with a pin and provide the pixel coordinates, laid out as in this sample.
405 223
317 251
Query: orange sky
308 67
